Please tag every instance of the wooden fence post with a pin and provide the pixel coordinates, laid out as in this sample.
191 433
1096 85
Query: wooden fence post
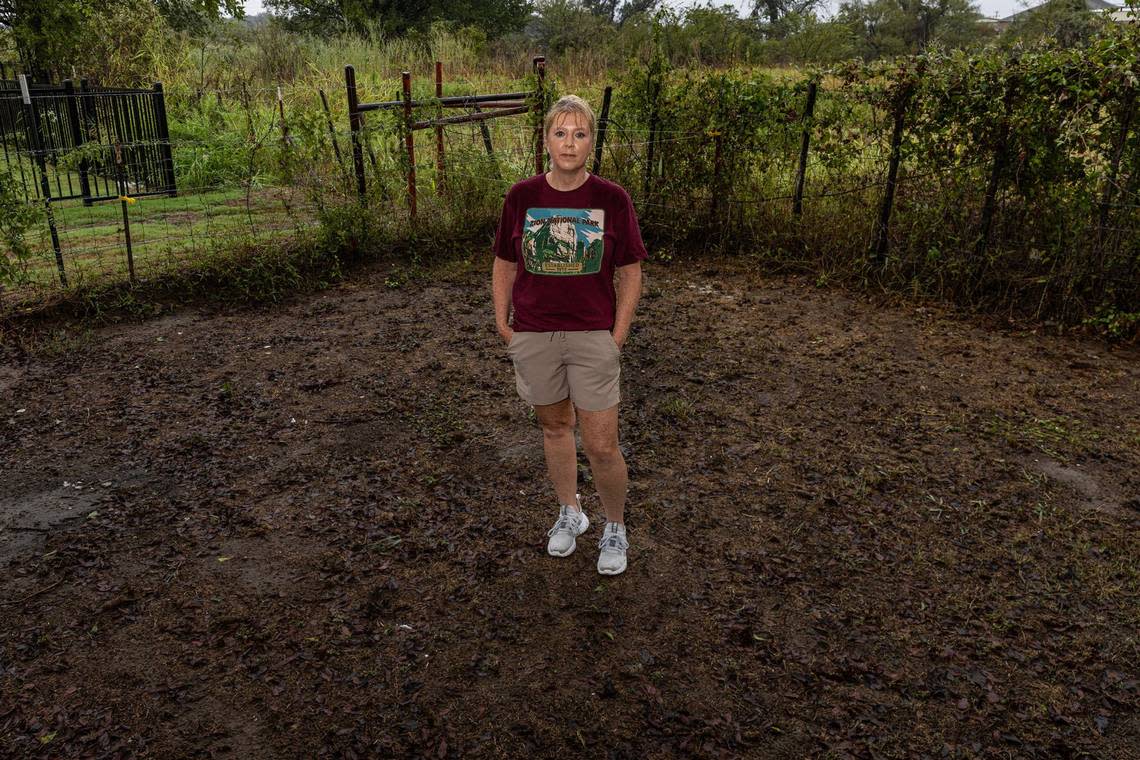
354 123
603 123
881 237
410 143
805 141
281 111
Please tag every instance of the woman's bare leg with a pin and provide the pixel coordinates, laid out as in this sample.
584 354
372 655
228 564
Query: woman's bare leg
600 440
557 422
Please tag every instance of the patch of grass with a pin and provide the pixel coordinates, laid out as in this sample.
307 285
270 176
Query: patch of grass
64 340
1056 437
676 408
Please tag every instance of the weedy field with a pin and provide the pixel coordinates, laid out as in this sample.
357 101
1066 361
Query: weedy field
859 529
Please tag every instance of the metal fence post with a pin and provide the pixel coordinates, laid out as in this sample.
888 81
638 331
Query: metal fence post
354 125
654 90
718 168
332 129
77 135
539 63
164 140
603 123
881 238
439 165
801 174
1114 171
121 182
1001 158
410 142
45 185
486 133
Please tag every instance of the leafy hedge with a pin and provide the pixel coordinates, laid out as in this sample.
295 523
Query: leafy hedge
1018 186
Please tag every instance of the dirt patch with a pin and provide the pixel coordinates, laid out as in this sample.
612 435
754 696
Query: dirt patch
1090 493
26 520
853 535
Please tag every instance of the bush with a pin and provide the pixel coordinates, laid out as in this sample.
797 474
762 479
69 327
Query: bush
16 219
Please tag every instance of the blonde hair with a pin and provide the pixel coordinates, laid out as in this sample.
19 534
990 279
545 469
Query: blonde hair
570 104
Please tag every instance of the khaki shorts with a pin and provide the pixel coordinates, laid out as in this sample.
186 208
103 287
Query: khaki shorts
582 365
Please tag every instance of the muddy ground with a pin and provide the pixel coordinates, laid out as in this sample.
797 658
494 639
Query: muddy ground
318 530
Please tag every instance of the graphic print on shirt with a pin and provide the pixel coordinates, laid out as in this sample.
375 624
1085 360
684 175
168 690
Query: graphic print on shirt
563 241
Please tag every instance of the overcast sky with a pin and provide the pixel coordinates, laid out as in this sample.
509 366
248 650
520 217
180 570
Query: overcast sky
998 8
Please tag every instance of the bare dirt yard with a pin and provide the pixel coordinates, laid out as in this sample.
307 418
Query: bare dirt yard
318 530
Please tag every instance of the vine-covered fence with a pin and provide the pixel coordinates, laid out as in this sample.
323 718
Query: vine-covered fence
1000 180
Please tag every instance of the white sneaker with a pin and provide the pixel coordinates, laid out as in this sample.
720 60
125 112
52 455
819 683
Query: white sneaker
611 561
571 524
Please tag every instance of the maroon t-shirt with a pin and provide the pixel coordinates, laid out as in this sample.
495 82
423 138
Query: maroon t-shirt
567 245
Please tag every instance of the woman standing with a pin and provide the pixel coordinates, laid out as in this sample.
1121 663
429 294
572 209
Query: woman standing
561 238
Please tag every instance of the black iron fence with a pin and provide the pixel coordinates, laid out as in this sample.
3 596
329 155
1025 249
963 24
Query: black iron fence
94 143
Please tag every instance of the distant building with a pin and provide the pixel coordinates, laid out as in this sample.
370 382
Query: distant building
1096 6
1115 12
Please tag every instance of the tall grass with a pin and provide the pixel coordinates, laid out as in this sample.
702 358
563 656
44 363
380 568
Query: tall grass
726 153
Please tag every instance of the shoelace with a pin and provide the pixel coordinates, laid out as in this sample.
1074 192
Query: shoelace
613 540
567 523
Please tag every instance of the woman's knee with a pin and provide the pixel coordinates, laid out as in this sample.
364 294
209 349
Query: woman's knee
601 451
558 429
557 420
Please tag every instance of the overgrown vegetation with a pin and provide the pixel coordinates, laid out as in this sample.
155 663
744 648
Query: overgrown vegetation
1016 188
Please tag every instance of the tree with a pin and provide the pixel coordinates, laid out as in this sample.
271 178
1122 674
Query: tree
616 11
774 13
399 17
197 15
810 40
894 27
561 25
52 37
1066 23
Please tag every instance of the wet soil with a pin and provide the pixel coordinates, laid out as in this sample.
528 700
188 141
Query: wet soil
318 530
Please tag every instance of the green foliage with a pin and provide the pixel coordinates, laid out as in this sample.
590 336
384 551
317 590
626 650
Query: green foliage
562 25
1056 23
1116 324
808 40
384 18
1041 127
16 219
885 28
114 44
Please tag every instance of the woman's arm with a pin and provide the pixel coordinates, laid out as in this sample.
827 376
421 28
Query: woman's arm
628 294
502 282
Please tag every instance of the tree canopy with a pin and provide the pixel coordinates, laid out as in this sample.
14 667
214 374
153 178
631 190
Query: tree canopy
894 27
398 17
51 37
